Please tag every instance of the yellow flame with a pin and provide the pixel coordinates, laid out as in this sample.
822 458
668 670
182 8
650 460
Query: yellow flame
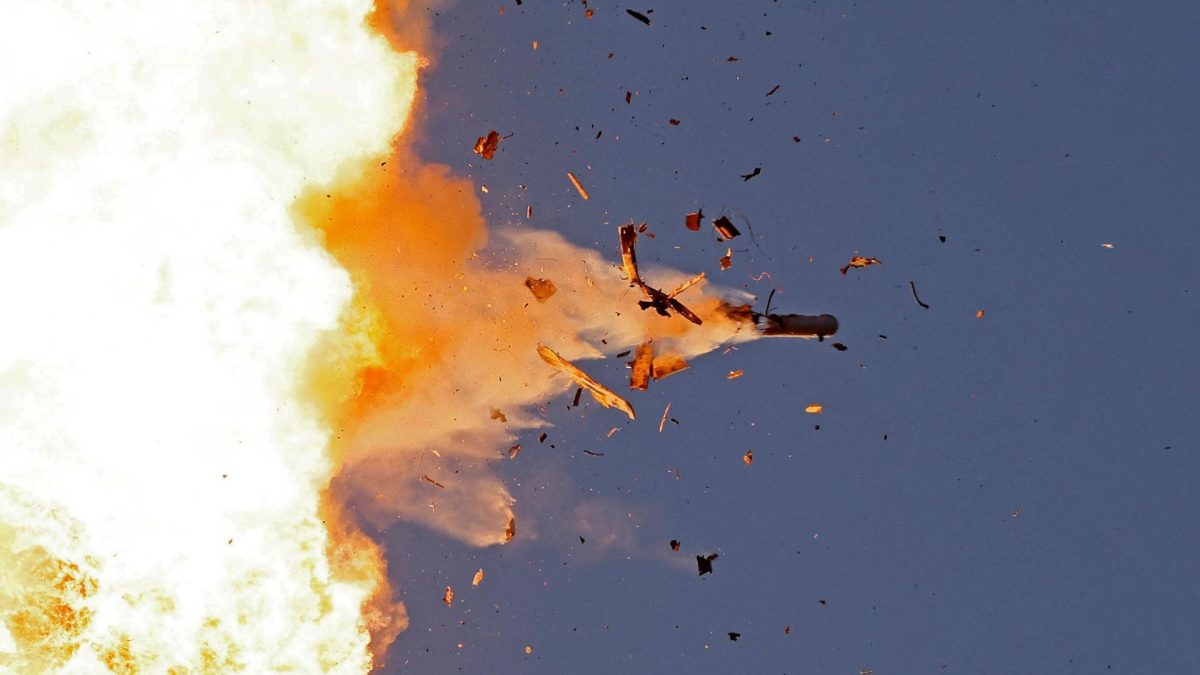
160 501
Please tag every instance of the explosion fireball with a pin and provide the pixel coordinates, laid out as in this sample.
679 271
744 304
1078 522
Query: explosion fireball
247 320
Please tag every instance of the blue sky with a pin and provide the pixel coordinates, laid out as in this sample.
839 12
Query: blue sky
1030 507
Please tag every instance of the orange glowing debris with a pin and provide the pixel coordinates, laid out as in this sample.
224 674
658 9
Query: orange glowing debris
542 289
735 374
478 579
814 409
605 396
748 458
724 227
510 531
727 260
578 186
1106 245
639 377
628 234
427 479
979 314
663 421
528 650
514 451
860 261
448 596
686 285
692 220
667 364
486 146
535 45
499 416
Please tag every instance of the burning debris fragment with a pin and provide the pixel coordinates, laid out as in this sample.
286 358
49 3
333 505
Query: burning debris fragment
704 563
725 228
726 260
692 220
578 186
748 458
639 377
605 396
665 365
478 579
486 146
542 289
662 303
860 261
448 596
511 530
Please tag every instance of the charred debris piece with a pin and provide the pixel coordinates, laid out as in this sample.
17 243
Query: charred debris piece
704 563
662 302
638 15
860 261
724 227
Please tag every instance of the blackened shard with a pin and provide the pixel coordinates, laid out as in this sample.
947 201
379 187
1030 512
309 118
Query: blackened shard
734 636
638 15
704 563
840 347
773 90
747 176
674 544
913 286
725 227
575 401
605 396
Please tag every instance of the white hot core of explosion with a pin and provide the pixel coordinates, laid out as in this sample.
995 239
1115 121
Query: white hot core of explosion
157 302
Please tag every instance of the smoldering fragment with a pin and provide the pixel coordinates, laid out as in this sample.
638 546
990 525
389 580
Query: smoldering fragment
578 186
542 289
511 530
860 261
692 220
665 365
448 596
478 579
674 544
605 396
639 377
514 451
725 228
486 146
